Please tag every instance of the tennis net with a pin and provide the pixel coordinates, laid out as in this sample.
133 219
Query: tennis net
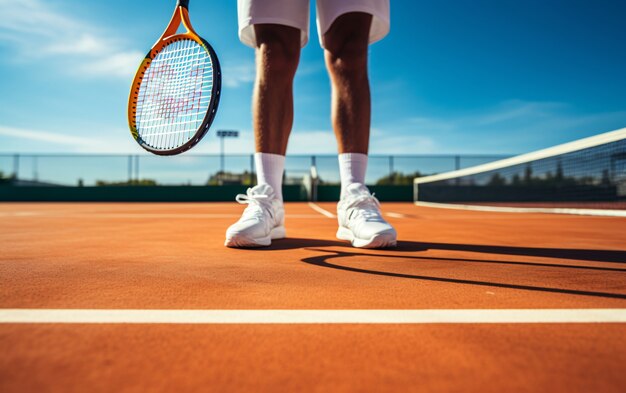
589 173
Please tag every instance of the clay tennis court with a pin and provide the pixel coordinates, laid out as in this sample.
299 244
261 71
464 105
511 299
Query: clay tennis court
476 287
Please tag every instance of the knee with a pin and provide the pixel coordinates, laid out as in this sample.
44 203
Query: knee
346 44
278 52
350 57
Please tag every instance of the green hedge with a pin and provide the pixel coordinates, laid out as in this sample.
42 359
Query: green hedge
327 193
291 193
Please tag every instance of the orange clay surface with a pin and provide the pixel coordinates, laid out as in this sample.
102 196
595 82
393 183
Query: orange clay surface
171 256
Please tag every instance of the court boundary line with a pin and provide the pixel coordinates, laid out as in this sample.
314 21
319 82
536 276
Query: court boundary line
321 210
425 316
136 215
505 209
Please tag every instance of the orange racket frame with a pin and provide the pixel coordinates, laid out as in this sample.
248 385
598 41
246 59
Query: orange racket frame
181 15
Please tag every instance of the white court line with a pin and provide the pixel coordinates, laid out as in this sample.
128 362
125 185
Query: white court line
395 215
180 216
504 209
97 316
18 214
140 215
318 209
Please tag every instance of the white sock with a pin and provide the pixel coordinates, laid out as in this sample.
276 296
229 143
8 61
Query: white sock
269 170
352 168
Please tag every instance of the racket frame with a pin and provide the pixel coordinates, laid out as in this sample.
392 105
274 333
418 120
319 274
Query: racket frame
181 15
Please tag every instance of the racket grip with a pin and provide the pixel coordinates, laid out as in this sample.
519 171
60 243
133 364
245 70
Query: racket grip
183 3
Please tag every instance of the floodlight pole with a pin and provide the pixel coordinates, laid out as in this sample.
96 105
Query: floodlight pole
222 134
222 155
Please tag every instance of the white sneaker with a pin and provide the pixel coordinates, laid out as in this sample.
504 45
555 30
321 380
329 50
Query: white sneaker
360 220
262 221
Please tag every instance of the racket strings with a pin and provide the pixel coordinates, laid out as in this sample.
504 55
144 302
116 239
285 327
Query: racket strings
174 95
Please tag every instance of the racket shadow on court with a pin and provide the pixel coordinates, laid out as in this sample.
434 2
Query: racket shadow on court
338 260
336 254
614 256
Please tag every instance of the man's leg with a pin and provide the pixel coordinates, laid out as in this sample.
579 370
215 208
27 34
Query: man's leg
277 56
346 43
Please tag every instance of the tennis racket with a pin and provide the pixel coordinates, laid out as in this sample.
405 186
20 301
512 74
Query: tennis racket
176 91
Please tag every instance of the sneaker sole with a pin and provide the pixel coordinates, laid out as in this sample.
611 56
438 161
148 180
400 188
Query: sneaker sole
241 241
381 240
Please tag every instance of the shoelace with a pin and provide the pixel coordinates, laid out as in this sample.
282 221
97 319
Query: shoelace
257 203
369 206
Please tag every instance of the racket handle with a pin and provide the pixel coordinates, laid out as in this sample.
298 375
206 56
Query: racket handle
183 3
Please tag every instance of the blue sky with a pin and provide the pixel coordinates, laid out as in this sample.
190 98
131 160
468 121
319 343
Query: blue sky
457 76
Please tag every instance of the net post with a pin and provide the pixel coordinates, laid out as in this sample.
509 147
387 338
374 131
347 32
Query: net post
130 169
457 166
35 168
314 175
222 157
16 165
137 169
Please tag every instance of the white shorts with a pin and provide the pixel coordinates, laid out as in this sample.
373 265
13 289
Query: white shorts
295 13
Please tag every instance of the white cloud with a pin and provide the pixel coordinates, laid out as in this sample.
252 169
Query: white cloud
32 17
385 141
36 31
123 64
511 127
86 44
45 136
23 139
238 75
312 142
514 126
309 68
243 72
514 110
